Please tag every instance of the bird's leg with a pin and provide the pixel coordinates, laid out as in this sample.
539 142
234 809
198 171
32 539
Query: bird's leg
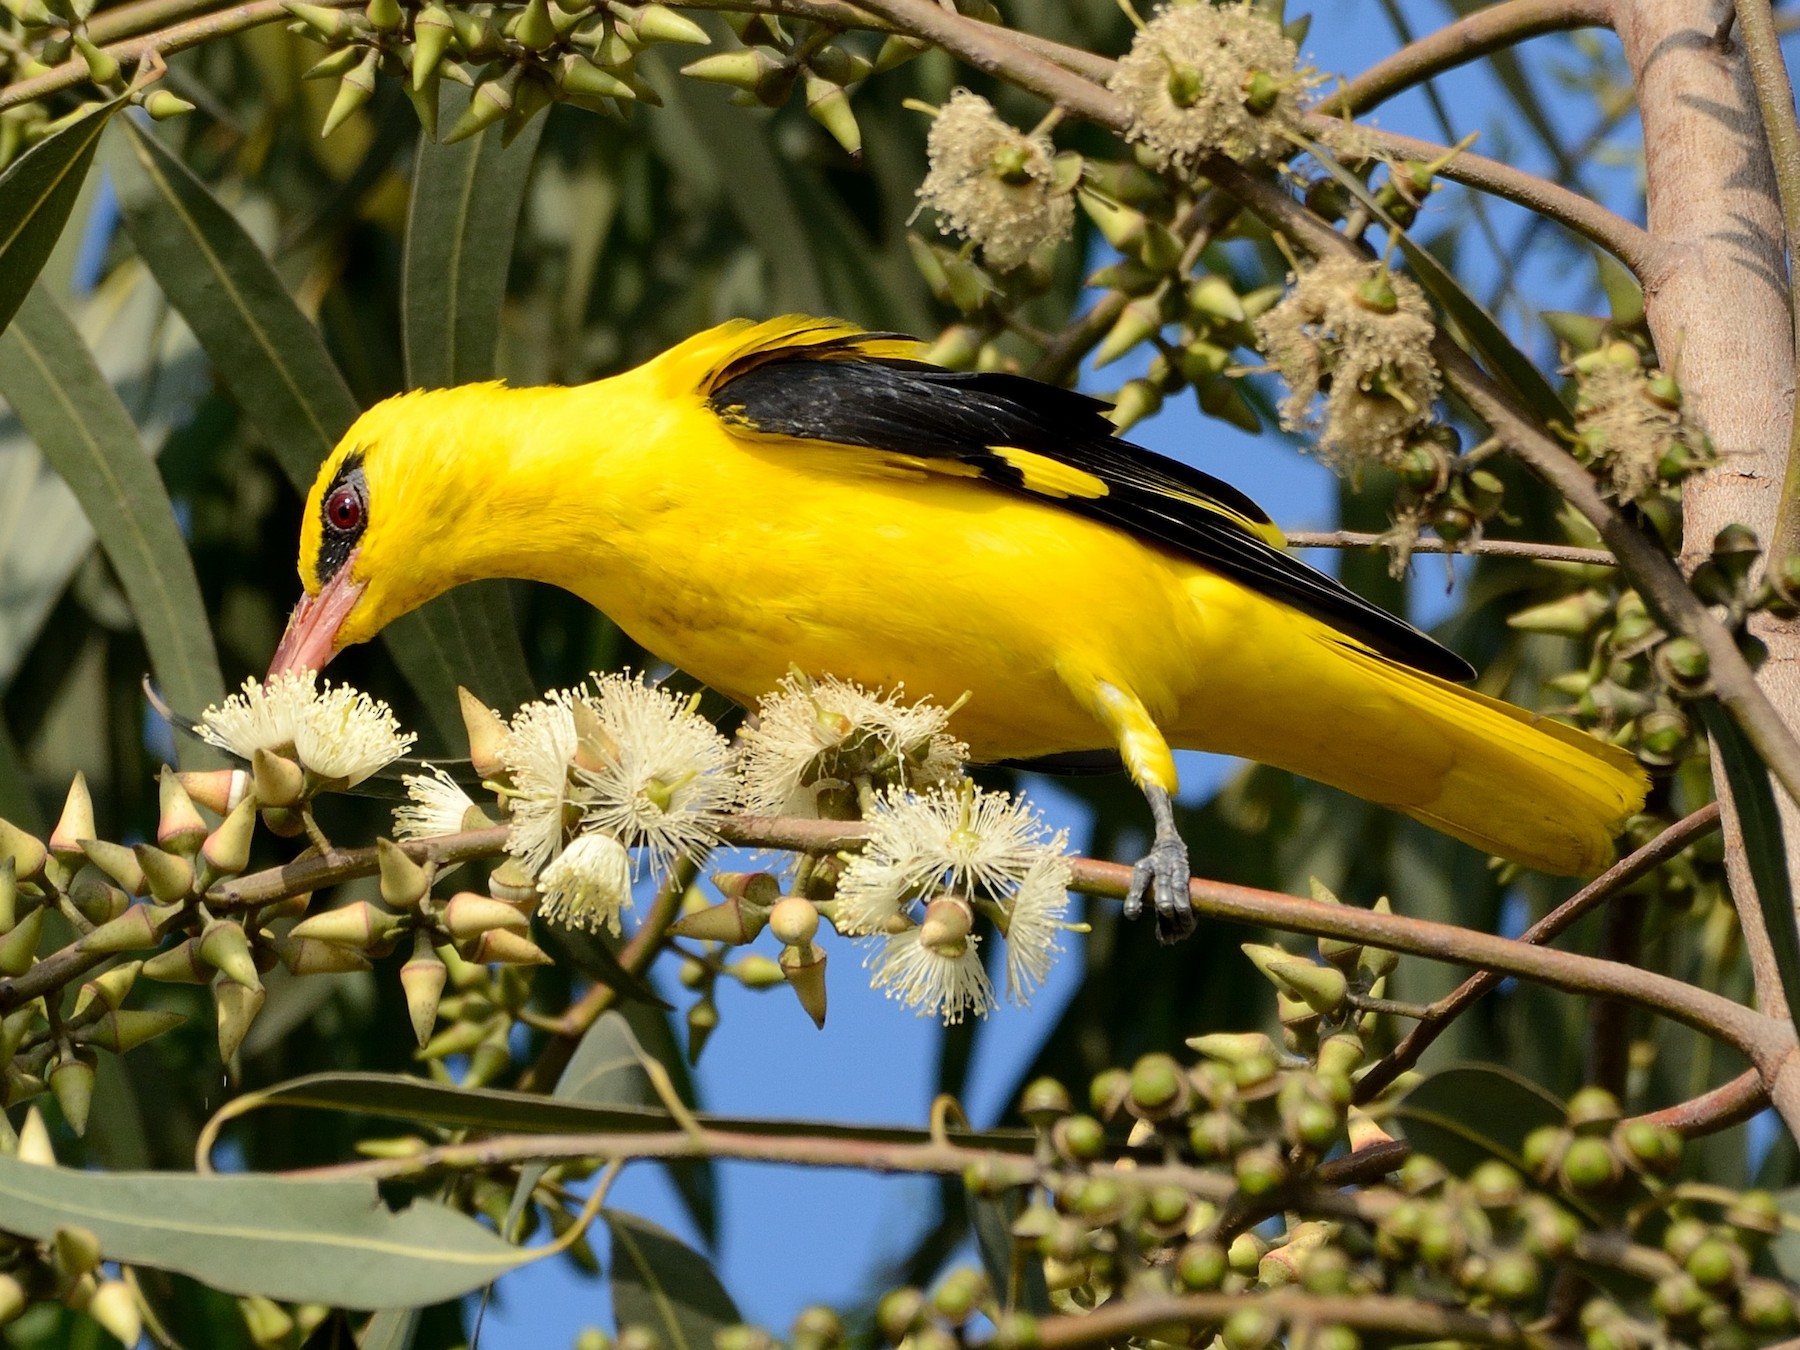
1162 874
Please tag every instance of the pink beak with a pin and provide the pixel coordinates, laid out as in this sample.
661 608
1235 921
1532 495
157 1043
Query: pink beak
311 638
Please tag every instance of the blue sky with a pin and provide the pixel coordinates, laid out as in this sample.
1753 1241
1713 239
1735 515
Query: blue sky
791 1236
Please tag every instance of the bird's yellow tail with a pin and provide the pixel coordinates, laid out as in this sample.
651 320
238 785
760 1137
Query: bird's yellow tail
1503 779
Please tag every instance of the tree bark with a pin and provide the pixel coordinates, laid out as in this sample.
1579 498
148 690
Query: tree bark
1717 304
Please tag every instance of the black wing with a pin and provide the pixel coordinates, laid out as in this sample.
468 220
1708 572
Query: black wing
975 419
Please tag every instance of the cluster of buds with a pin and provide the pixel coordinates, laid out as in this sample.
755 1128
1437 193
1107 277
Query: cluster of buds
36 35
751 903
68 1267
516 59
1317 1000
1637 680
1440 489
814 1328
1631 428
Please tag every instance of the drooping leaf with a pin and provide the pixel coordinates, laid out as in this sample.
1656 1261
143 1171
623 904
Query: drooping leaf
1507 363
1760 820
331 1242
274 360
459 242
1465 1115
661 1282
49 377
37 192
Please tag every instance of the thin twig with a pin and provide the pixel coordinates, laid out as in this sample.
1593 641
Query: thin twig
1621 874
1775 100
1496 548
1719 1109
1470 38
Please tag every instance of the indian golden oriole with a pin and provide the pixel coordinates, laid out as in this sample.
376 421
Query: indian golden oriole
800 493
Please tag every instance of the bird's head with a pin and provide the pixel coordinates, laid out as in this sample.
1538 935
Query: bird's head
378 537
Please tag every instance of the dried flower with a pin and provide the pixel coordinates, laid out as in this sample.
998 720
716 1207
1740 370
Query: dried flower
810 734
436 804
1363 335
664 778
937 980
1206 79
538 754
1631 425
336 731
588 885
994 184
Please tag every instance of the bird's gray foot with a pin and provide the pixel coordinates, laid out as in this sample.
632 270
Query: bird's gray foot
1162 874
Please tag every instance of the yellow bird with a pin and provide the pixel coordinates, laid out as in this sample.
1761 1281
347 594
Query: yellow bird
800 493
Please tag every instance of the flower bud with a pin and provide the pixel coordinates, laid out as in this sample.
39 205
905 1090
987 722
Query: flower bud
355 89
1135 400
735 921
504 947
75 1251
748 69
226 948
13 1299
139 927
756 972
227 849
1159 1088
277 779
72 1082
1137 323
125 1029
312 956
106 991
1322 988
794 921
267 1321
19 946
179 828
805 971
829 106
9 896
169 876
1572 616
75 824
180 964
1044 1102
237 1006
468 915
26 852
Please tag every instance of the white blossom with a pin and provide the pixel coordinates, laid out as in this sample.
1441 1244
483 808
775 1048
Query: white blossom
1033 920
260 716
436 804
932 981
344 735
588 884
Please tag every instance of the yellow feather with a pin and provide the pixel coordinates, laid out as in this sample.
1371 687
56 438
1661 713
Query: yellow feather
737 557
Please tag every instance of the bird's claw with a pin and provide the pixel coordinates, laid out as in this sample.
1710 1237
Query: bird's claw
1162 874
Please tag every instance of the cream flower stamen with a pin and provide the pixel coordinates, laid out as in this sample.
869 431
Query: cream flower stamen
588 885
935 980
538 754
436 805
260 716
995 185
1033 921
344 735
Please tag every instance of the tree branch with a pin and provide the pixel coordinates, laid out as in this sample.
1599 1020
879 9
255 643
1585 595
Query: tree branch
1621 874
1496 548
1723 1107
1468 39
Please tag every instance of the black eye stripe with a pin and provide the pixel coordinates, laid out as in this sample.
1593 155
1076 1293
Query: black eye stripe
335 543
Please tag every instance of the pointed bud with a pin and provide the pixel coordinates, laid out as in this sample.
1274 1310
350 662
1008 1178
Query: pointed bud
115 1308
1377 961
658 23
896 52
169 876
162 105
127 1028
403 882
385 16
702 1021
487 734
98 900
1572 616
1212 297
1133 403
13 1299
457 1039
1139 321
180 964
268 1323
1121 226
757 972
491 101
334 65
27 853
34 1141
468 915
356 89
748 69
358 925
330 24
794 921
432 31
829 106
578 75
513 885
179 828
424 100
118 862
422 977
1233 1047
76 822
226 948
139 927
278 780
106 991
531 28
20 1086
237 1008
311 956
218 790
72 1083
75 1250
19 947
1322 988
805 971
102 66
502 947
735 921
227 849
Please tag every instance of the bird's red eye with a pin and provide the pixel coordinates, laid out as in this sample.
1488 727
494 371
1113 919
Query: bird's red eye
344 510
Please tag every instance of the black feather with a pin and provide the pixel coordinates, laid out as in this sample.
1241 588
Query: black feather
908 407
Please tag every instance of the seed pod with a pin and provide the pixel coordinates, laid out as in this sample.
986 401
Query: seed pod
1159 1089
1683 664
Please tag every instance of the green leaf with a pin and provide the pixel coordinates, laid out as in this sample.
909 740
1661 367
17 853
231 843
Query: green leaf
1760 820
49 377
1465 1115
331 1242
459 243
660 1282
274 361
1017 1275
1508 364
37 192
389 1329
